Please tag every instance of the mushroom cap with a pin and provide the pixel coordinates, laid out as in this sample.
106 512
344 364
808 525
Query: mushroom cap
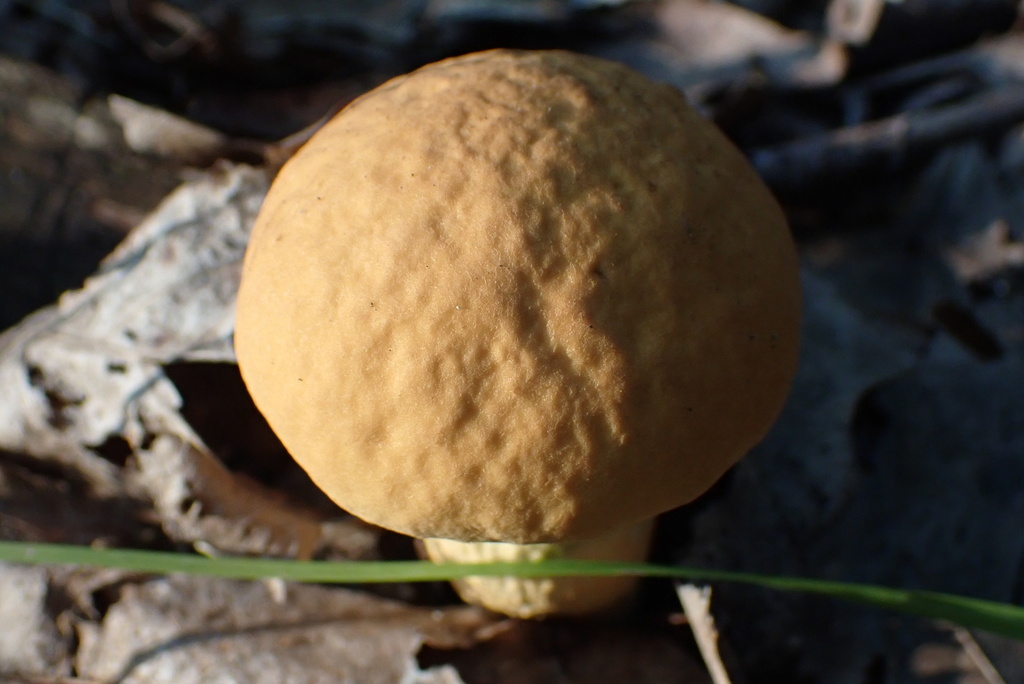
518 296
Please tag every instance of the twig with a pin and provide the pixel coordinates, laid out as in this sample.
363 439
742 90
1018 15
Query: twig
190 32
886 143
696 604
977 656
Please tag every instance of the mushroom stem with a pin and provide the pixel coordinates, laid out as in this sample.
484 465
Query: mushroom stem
536 597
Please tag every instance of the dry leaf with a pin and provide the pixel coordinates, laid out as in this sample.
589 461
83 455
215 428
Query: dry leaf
29 642
986 253
149 130
89 368
198 500
717 34
192 629
89 373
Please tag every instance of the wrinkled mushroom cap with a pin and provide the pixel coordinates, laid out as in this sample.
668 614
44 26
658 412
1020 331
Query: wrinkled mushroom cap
518 296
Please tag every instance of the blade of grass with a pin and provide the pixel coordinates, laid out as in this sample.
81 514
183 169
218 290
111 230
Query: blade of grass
998 618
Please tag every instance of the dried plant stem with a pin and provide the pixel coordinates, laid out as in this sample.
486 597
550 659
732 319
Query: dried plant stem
697 606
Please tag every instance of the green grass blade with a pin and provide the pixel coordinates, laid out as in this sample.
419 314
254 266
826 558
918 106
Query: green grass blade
992 616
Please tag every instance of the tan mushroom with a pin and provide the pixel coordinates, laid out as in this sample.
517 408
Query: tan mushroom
519 297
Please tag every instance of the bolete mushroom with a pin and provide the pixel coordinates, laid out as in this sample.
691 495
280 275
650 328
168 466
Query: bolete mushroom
519 297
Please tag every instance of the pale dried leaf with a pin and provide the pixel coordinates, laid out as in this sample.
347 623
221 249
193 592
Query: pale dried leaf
1003 55
986 253
192 629
148 130
89 367
29 641
198 500
718 34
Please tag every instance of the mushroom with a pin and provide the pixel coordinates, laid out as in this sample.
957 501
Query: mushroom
519 302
